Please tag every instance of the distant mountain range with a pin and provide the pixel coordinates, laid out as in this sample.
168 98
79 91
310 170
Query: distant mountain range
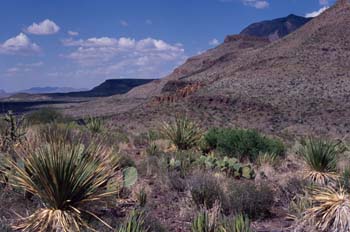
107 88
276 28
43 90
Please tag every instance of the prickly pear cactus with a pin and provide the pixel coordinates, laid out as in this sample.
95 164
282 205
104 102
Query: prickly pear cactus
130 176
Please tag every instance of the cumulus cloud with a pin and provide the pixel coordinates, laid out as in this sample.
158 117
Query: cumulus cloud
316 13
259 4
46 27
214 42
125 57
72 33
20 44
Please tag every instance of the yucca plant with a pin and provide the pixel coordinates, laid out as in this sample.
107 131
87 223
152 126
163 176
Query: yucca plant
142 197
67 177
321 158
95 125
182 132
203 223
135 223
240 223
331 210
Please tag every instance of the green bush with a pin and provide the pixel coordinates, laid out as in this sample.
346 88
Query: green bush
206 190
252 200
45 116
135 223
242 143
239 223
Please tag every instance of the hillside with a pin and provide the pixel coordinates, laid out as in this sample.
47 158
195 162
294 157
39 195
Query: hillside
298 84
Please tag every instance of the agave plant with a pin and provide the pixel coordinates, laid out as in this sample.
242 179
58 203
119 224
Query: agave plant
331 211
66 177
135 223
183 133
321 158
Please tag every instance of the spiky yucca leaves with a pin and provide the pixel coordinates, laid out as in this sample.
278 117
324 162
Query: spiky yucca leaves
182 132
95 125
135 223
331 211
240 223
66 177
321 158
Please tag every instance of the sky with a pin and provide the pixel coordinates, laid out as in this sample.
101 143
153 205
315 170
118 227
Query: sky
81 43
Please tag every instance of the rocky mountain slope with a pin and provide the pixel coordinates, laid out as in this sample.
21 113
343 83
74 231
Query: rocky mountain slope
277 28
296 85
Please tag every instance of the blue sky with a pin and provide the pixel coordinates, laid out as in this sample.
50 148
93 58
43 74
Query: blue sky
81 43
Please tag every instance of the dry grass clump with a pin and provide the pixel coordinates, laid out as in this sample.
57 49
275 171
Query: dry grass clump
330 211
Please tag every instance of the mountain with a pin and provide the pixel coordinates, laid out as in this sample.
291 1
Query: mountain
277 28
107 88
298 84
43 90
3 93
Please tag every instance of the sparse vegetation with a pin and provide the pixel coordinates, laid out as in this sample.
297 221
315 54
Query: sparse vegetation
255 201
45 116
135 223
95 125
206 190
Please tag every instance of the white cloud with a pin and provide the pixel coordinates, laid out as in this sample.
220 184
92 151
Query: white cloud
316 13
23 68
259 4
46 27
73 33
214 42
20 44
124 23
125 57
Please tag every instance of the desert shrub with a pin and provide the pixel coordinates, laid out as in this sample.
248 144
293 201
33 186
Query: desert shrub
321 158
182 132
176 181
345 179
241 143
206 190
292 188
126 161
46 115
298 205
12 131
135 223
67 177
330 211
5 227
250 199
